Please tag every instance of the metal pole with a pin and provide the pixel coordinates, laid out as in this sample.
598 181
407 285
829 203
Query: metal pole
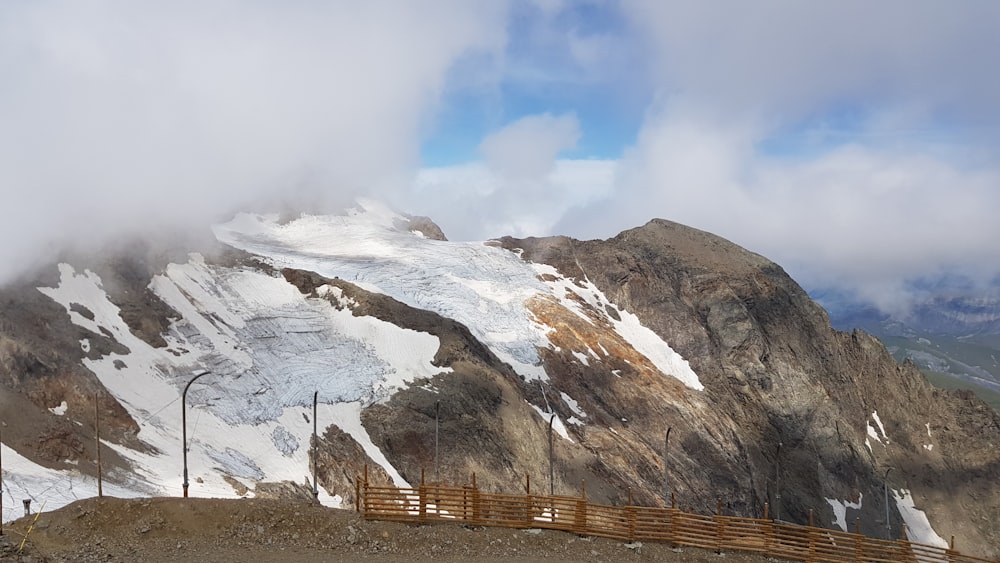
666 469
97 438
551 473
184 433
777 483
885 491
437 426
1 483
315 449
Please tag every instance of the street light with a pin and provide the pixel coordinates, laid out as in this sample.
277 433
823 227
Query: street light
666 469
437 434
315 451
777 483
885 491
551 472
184 426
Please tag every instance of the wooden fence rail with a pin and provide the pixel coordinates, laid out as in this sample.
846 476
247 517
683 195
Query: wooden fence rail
468 505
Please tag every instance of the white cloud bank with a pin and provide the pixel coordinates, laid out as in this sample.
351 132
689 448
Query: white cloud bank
119 115
854 143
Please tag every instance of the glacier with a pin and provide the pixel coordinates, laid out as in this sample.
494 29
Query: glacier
269 348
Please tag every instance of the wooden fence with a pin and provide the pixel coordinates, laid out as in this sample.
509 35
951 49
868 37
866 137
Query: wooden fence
470 506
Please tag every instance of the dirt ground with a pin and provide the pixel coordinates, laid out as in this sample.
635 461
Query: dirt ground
231 531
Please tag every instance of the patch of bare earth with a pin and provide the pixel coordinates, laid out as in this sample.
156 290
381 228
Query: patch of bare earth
230 531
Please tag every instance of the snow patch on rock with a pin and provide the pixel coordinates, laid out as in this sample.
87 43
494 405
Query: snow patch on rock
918 527
840 510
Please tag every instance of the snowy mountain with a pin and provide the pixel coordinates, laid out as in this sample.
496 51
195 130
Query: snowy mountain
390 326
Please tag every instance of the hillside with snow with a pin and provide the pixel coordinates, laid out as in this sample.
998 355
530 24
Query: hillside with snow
395 332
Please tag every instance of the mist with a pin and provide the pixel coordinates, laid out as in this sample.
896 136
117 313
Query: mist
855 144
123 117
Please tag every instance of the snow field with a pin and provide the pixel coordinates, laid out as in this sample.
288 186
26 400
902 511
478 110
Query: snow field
268 348
477 284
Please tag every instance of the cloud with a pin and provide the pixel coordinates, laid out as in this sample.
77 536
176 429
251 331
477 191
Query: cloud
854 143
857 217
782 59
118 115
474 202
527 148
519 188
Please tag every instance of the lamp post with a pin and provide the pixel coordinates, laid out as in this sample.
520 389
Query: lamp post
437 432
551 471
777 483
184 426
885 491
315 449
666 469
1 482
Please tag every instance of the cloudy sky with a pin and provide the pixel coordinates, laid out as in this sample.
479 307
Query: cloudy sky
855 143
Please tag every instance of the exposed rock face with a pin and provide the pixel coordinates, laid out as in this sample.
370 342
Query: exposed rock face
775 372
792 412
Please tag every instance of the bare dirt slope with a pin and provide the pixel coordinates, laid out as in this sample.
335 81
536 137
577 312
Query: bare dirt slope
224 531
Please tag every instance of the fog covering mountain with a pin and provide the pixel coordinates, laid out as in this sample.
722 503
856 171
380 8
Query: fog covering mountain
387 323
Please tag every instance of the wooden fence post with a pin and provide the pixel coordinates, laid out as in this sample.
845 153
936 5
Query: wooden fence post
905 546
465 502
422 500
357 493
527 499
719 531
365 490
580 518
812 537
769 539
672 525
630 516
858 541
476 502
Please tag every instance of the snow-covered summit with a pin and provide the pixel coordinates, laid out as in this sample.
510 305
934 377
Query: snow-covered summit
478 284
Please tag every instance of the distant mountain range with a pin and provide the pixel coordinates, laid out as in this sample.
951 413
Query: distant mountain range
954 339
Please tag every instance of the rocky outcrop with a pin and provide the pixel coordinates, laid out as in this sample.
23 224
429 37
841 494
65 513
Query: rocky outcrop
788 401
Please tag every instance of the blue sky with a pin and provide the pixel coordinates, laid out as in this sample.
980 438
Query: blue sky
855 143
